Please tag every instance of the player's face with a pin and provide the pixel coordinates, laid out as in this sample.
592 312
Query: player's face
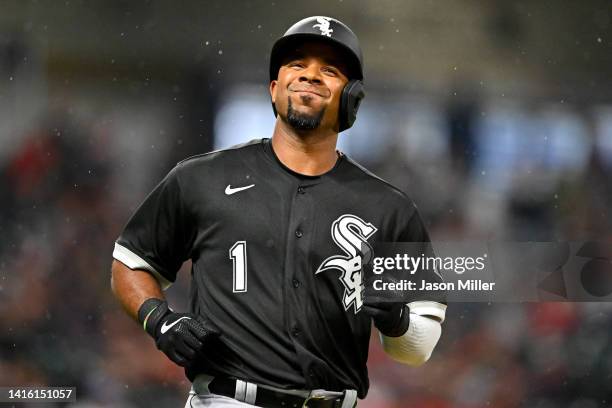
309 85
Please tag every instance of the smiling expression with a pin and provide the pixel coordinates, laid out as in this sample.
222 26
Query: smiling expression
310 82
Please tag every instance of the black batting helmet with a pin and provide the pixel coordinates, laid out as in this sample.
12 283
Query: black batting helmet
335 32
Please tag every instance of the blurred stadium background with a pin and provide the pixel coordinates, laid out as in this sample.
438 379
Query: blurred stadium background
495 116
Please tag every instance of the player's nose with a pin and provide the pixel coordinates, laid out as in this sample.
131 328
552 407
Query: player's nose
311 73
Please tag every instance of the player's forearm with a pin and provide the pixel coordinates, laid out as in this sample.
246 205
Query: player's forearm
133 287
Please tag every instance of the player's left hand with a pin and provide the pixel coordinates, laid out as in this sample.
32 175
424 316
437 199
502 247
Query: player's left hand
390 318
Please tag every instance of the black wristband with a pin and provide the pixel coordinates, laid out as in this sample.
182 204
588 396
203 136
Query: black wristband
401 326
146 312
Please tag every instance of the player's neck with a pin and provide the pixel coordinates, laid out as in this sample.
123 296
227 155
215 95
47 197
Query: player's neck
310 154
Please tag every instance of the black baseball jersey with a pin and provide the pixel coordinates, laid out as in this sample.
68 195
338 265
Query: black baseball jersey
273 253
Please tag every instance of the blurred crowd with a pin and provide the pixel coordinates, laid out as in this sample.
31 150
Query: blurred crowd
504 171
476 171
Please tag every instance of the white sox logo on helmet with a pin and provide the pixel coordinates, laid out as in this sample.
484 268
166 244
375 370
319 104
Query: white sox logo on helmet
323 25
350 232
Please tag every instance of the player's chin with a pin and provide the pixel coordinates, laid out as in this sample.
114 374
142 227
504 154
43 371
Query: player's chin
308 110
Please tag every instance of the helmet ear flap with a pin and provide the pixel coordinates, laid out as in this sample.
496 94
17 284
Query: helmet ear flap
352 94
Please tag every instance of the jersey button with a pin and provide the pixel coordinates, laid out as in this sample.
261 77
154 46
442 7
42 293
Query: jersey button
301 190
299 233
295 331
296 283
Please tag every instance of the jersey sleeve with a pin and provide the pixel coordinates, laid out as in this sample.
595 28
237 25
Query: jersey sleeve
431 304
159 236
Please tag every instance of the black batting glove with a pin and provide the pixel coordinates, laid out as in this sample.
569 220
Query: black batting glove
181 336
390 318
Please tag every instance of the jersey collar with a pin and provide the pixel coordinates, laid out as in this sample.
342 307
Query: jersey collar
269 153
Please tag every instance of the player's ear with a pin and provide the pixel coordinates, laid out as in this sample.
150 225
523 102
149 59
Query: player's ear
273 90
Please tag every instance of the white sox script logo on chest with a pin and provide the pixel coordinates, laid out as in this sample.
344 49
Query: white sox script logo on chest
349 232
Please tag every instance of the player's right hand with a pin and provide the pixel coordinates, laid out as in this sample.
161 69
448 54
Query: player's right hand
181 336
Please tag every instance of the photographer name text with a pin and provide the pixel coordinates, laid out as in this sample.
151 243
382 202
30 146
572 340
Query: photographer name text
410 285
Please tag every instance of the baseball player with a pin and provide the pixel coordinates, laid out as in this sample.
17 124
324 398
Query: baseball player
274 229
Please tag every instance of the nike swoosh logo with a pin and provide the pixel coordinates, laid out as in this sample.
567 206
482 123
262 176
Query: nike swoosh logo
165 327
229 190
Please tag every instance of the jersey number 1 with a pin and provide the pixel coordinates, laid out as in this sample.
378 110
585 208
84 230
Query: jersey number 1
239 257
